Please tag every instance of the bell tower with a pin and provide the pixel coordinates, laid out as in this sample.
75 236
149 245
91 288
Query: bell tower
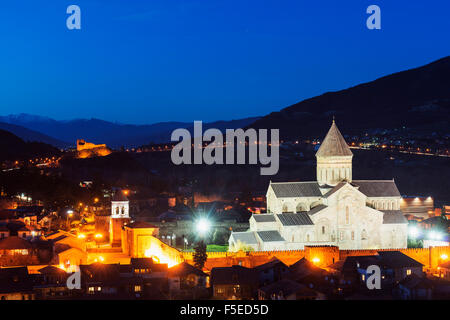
120 215
334 159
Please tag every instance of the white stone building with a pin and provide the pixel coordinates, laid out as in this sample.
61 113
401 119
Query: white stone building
334 210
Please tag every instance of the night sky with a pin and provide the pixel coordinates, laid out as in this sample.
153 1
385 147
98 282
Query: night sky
136 61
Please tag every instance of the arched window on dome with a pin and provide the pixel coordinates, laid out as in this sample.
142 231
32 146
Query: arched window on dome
285 208
123 211
117 210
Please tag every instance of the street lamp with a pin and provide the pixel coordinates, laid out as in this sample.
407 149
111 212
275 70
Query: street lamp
203 226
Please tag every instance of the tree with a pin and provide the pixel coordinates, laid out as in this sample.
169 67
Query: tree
200 255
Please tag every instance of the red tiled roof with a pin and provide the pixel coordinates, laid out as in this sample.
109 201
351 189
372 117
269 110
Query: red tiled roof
13 243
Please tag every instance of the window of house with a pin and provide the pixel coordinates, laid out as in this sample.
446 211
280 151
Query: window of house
363 277
307 237
137 288
408 272
91 290
323 229
353 235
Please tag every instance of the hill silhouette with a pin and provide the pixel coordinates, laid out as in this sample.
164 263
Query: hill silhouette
418 99
14 148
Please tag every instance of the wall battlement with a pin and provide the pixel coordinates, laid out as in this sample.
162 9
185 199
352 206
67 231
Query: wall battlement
324 256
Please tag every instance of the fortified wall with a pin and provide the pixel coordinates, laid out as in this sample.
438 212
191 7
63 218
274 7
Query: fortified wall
324 256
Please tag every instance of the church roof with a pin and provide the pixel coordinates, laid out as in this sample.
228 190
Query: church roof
269 236
264 217
245 237
377 188
319 208
295 219
335 189
393 216
296 189
334 144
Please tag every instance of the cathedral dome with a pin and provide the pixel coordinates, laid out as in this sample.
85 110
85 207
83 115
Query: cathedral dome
334 144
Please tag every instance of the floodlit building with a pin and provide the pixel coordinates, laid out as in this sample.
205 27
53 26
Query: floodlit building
334 210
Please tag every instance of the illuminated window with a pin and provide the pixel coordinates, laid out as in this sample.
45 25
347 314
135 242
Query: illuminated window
91 290
408 272
363 277
137 288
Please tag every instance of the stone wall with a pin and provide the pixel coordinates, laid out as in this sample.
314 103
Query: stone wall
325 256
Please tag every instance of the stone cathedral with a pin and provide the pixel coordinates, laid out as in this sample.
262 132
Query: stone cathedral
334 210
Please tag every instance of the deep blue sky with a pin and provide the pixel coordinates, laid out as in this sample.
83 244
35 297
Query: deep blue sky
138 61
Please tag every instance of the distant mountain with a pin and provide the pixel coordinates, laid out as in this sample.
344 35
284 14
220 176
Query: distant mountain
418 99
31 135
113 134
13 148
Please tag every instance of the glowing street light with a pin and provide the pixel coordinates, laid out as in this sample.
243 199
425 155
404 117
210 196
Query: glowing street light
315 260
435 235
203 226
98 236
413 232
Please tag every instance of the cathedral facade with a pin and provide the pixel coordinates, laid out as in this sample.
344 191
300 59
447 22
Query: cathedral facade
334 210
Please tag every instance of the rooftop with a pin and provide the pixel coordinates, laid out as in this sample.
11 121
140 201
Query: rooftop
296 189
334 144
295 219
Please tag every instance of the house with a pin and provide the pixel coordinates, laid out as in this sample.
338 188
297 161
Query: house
51 284
271 271
398 265
141 279
234 282
444 270
16 251
304 268
394 267
286 289
147 268
28 233
186 276
16 284
4 232
414 287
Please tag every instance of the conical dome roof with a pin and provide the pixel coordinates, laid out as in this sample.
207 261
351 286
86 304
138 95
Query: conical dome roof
334 144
